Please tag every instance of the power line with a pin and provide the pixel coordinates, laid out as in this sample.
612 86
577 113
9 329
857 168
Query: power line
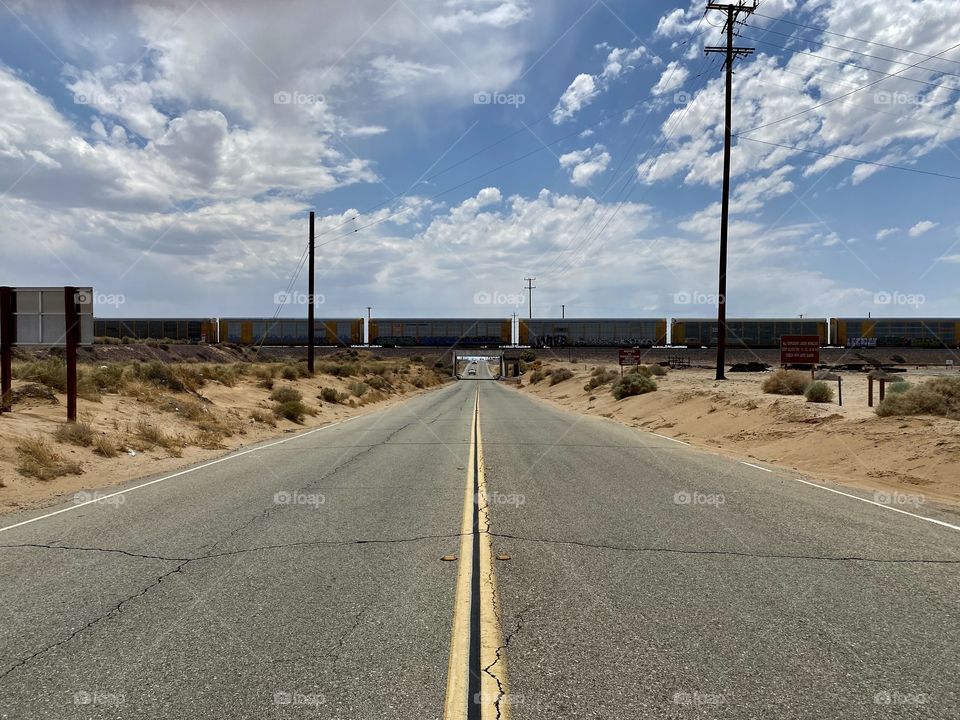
851 37
837 47
838 97
862 67
850 159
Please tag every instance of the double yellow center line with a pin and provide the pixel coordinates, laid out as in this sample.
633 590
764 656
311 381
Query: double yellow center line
477 671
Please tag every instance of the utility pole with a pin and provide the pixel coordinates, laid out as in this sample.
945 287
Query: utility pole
563 312
369 308
530 289
311 289
731 53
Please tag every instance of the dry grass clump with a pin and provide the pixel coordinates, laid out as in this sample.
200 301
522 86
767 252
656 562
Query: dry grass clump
332 395
786 382
228 375
633 383
286 394
38 460
208 440
358 389
658 370
819 392
939 396
104 446
262 417
600 376
51 372
78 433
153 436
559 375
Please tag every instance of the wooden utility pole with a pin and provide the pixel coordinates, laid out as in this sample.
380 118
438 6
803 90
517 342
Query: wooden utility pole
311 334
731 53
7 330
72 327
530 289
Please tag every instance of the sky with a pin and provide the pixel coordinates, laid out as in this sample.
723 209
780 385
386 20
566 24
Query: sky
168 154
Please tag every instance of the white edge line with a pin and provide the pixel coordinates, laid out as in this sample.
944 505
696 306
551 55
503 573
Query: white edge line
880 505
231 456
744 462
665 437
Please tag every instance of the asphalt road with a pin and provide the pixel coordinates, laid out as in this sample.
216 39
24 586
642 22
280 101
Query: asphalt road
645 579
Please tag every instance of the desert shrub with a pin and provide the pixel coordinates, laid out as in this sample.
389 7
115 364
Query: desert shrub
358 389
418 382
819 392
208 440
227 375
106 378
632 384
600 376
658 370
38 460
940 396
76 433
378 382
898 387
265 372
329 395
339 369
51 372
286 394
152 436
262 417
290 372
527 355
536 376
104 446
176 378
417 359
643 370
293 410
559 375
266 383
786 382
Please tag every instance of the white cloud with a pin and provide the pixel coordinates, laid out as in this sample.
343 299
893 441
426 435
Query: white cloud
584 165
924 226
887 232
673 78
505 14
580 93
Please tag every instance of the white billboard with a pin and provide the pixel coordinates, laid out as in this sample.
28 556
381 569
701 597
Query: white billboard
40 315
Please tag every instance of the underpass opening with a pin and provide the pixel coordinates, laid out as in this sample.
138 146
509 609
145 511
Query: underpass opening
478 366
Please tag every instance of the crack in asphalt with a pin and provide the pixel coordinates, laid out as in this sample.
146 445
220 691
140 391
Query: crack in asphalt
181 564
500 650
730 553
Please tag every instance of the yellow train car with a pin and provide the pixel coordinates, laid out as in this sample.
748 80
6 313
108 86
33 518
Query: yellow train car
342 332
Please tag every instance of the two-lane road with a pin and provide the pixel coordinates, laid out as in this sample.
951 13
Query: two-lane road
638 579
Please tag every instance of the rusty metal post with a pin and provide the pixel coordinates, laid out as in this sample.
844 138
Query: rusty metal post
72 327
883 384
840 390
870 392
7 330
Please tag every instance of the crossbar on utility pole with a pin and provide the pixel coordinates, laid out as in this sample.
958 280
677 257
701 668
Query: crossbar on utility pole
731 53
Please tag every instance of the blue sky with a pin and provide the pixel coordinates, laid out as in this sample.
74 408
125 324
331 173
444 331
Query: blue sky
168 153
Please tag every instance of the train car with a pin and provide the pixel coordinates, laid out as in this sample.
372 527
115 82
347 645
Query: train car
593 332
462 332
895 332
342 332
744 332
179 330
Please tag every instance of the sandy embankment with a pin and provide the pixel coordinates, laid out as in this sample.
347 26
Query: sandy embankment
117 416
912 456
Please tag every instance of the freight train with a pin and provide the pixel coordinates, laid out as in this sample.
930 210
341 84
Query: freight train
539 333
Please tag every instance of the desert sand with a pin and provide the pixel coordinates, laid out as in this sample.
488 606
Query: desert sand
908 459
